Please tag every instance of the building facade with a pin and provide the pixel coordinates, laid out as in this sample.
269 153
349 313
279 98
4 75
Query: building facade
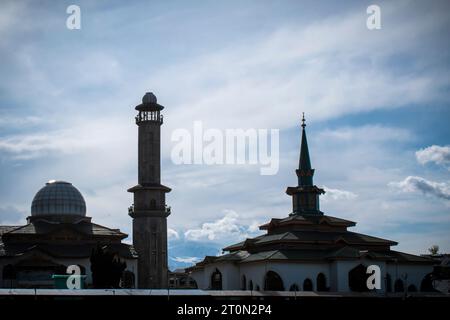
311 251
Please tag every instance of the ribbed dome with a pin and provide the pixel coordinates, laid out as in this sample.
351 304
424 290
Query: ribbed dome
58 198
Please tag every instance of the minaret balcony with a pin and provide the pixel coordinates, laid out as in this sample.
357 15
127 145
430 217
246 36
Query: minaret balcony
149 117
164 211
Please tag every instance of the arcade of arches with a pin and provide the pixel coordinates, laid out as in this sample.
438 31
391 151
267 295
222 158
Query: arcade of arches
357 278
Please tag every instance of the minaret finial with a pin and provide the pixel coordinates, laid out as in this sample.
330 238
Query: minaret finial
303 121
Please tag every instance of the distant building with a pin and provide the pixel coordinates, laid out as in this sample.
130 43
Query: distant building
180 279
440 277
57 234
309 250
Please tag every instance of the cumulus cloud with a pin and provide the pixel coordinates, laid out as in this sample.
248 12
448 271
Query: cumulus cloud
367 133
337 194
10 215
79 137
226 228
190 260
438 154
415 184
172 234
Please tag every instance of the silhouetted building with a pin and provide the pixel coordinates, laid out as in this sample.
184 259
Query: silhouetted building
57 234
180 279
309 250
149 210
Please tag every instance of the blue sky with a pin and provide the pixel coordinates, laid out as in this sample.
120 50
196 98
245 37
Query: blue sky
377 105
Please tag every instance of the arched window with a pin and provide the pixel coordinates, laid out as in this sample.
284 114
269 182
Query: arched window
250 285
273 282
388 283
216 280
321 282
152 203
193 283
294 287
357 278
128 280
427 284
398 286
307 285
244 283
9 272
412 288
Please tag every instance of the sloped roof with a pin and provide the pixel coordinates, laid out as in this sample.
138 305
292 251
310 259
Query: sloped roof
315 237
315 255
4 229
87 228
310 219
65 250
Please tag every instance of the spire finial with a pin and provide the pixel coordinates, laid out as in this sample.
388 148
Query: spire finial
303 121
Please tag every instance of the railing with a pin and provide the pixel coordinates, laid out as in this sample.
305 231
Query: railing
167 209
149 117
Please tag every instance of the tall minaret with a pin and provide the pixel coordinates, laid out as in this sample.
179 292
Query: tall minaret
149 211
305 197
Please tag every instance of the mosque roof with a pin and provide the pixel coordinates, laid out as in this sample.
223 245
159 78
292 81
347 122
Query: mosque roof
58 198
64 250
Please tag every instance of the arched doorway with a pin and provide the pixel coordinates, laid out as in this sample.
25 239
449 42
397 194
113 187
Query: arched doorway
307 285
250 285
244 283
399 286
128 280
412 288
388 283
357 279
294 287
273 282
216 280
9 274
321 282
193 283
427 283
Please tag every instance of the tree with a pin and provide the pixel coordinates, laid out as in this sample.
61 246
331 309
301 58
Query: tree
106 268
434 249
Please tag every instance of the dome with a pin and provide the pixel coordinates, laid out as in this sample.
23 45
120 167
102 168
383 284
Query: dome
149 97
58 198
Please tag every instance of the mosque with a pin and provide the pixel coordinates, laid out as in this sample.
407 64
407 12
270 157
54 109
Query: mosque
311 251
58 233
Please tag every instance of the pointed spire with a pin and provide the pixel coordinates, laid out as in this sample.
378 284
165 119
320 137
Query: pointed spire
305 172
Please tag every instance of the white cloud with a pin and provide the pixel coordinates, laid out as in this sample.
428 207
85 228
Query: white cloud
315 68
365 134
172 234
8 121
228 228
109 134
437 154
337 194
414 184
190 260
